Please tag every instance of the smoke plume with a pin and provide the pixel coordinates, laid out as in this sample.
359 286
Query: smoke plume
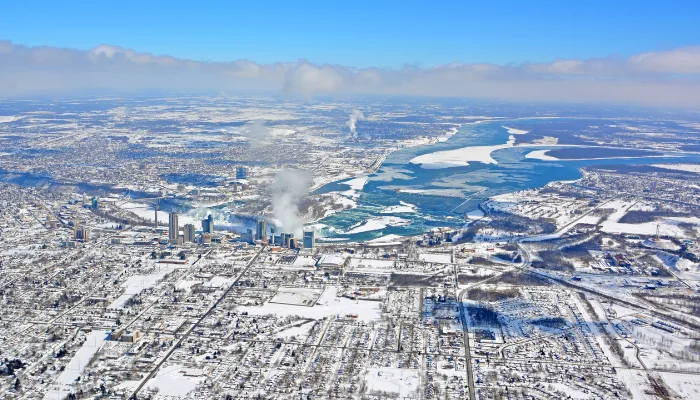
288 189
256 133
355 116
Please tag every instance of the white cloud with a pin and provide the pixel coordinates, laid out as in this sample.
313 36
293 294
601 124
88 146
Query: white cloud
666 78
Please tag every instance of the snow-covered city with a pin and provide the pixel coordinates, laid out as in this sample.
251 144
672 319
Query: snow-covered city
367 200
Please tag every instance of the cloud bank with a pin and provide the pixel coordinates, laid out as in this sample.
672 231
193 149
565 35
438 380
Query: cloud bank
663 78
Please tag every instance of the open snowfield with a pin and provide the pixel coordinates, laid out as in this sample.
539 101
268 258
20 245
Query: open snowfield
171 381
680 167
441 258
326 306
77 364
296 296
685 385
301 330
386 239
402 382
668 226
9 118
136 283
372 264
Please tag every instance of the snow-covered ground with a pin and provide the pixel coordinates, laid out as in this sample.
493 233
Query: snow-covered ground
399 381
9 118
136 283
301 330
328 305
386 239
685 385
442 258
680 167
77 364
173 381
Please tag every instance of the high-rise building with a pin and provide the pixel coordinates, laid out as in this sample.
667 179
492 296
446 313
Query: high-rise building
81 234
241 173
261 231
173 227
309 239
287 238
188 231
293 244
95 203
247 236
208 224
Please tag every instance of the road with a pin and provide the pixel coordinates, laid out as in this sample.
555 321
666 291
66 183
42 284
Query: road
195 325
465 333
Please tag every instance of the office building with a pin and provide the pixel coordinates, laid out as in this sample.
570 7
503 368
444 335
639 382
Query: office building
286 239
188 232
208 224
173 227
309 239
247 236
81 234
241 173
261 231
206 238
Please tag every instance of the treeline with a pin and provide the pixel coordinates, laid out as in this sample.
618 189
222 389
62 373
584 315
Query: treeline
519 278
483 316
640 217
479 294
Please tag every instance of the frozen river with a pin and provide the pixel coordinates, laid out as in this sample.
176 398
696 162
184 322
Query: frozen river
423 187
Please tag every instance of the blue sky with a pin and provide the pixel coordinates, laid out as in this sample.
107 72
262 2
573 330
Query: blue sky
360 33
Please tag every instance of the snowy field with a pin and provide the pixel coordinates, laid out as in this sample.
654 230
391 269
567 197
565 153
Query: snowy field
296 296
77 364
680 167
137 283
326 306
172 381
666 226
400 382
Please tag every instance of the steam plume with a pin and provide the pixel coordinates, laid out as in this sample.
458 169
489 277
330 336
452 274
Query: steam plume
290 187
355 116
256 133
